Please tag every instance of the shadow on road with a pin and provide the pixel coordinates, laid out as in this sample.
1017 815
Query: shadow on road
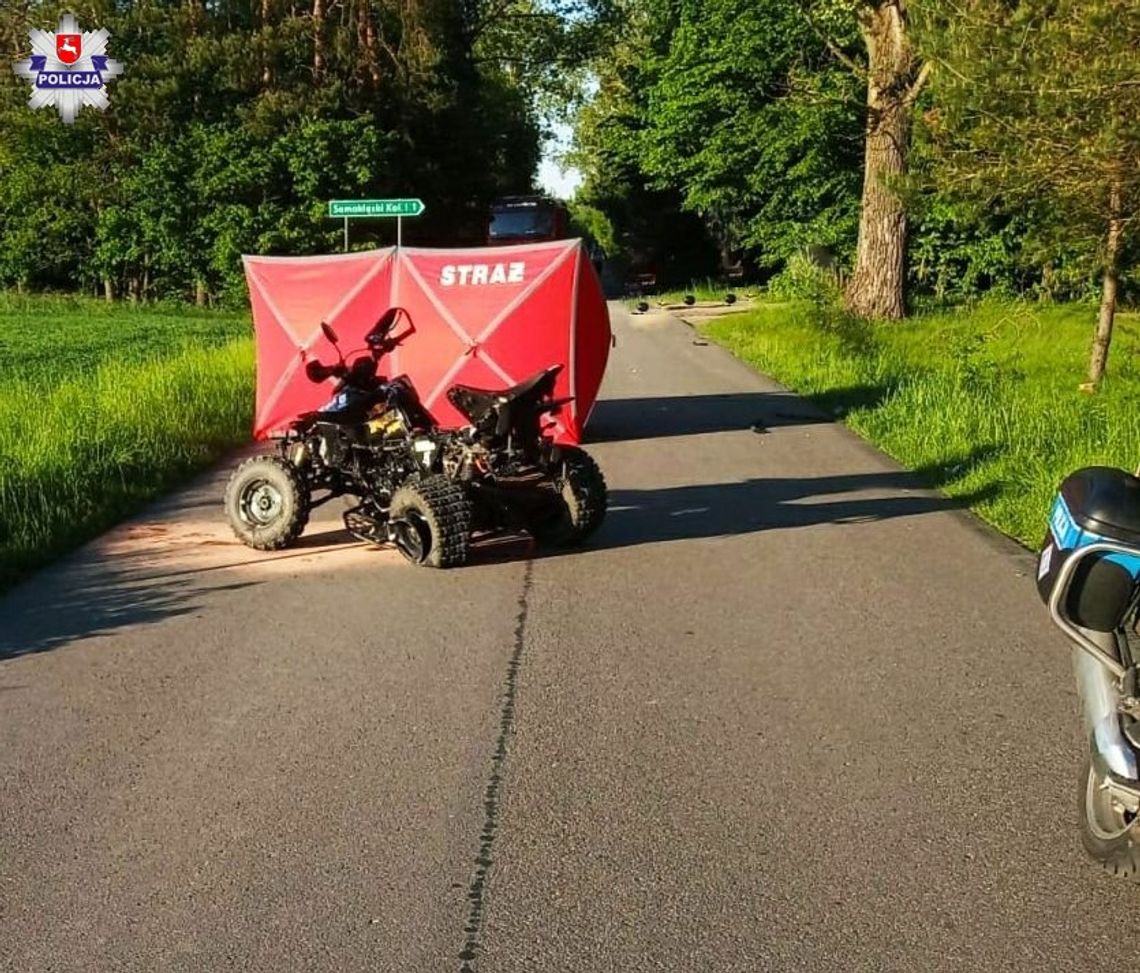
96 600
695 415
165 570
726 509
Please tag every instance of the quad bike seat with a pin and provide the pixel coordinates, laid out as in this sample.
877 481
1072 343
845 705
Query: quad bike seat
476 403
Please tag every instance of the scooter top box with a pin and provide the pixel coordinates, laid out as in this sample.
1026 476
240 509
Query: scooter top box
1098 503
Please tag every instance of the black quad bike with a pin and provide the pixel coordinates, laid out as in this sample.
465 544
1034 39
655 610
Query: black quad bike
420 487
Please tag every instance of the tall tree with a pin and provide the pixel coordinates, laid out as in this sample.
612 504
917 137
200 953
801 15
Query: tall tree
1040 100
750 119
894 77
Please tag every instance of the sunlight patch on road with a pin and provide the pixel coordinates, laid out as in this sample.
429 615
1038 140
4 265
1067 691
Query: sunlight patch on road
159 549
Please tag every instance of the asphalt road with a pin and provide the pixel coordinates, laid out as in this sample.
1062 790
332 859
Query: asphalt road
789 712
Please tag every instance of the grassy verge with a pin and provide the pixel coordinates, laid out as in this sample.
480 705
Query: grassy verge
983 400
102 409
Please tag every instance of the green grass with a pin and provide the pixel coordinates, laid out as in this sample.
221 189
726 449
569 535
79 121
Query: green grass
102 408
984 401
54 337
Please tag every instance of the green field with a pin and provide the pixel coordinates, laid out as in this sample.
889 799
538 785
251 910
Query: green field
983 400
102 408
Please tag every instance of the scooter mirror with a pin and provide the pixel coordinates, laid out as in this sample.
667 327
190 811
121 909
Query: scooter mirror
316 372
329 333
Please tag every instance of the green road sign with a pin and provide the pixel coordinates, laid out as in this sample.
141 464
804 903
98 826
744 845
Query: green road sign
350 208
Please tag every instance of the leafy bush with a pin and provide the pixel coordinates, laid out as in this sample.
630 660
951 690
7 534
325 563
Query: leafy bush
805 280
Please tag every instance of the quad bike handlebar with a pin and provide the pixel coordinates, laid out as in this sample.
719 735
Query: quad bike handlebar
380 341
318 372
361 372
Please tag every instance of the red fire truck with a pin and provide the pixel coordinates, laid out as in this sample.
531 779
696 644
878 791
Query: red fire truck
526 219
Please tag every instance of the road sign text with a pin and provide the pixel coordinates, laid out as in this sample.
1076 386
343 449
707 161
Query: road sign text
349 208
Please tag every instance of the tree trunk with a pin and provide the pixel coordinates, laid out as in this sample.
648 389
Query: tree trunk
195 23
878 285
370 44
318 39
108 289
200 294
266 69
1102 339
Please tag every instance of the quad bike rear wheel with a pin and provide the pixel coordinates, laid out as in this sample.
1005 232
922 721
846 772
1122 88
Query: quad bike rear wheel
581 505
267 503
431 522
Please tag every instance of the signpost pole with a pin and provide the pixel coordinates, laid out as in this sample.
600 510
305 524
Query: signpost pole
346 234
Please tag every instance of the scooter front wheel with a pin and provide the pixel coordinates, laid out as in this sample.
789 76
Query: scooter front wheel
1108 830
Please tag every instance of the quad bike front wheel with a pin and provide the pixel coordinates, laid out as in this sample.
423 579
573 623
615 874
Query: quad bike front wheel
267 503
430 522
581 501
1108 831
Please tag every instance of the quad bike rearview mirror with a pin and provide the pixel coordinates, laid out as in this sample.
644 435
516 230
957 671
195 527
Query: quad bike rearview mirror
387 319
380 337
315 371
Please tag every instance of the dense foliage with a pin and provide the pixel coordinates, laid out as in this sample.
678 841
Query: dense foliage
733 114
1039 106
749 116
236 120
968 146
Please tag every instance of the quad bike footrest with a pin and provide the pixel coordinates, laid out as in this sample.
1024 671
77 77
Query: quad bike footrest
364 526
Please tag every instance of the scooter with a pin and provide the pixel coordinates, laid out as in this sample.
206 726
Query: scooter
1088 574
